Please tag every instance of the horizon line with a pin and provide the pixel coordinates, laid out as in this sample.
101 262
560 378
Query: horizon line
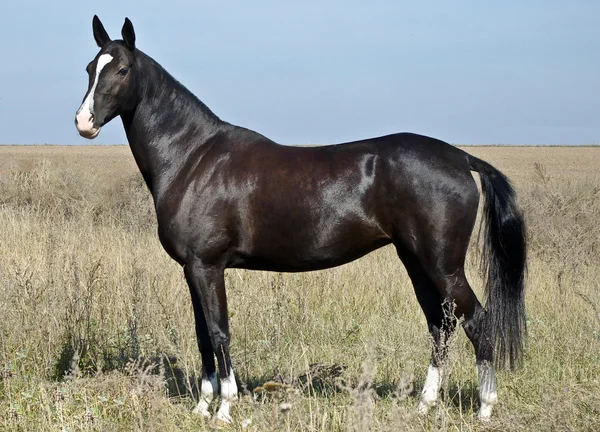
313 145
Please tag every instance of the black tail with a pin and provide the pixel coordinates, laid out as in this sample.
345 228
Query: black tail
504 262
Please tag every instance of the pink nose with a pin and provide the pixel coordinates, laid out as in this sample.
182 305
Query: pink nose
84 120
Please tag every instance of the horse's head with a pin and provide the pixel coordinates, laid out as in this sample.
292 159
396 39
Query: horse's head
111 80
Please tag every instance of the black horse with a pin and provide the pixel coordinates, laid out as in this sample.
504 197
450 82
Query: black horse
228 197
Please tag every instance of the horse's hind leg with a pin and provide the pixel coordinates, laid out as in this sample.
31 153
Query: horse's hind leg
452 285
440 321
478 332
476 329
445 295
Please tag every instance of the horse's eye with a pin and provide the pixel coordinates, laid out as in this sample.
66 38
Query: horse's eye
123 71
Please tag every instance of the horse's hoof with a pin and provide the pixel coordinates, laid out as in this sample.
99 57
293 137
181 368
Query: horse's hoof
203 413
201 410
423 408
485 412
484 415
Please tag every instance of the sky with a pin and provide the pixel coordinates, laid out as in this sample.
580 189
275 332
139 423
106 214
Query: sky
319 72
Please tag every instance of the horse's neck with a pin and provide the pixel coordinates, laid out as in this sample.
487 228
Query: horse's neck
166 126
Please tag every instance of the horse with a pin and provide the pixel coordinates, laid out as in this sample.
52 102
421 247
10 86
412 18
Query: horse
228 197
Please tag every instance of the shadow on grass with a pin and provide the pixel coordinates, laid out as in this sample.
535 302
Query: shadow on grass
463 396
74 363
323 381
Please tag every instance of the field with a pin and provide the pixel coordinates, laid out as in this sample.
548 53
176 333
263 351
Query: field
96 325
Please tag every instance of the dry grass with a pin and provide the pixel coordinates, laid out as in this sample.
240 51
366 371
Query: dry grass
96 327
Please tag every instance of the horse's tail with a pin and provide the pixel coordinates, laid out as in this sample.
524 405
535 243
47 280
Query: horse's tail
504 262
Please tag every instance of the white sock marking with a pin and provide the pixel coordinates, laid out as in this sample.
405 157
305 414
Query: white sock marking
208 391
229 392
487 390
429 395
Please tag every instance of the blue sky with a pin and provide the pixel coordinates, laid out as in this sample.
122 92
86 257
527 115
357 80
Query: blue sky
316 72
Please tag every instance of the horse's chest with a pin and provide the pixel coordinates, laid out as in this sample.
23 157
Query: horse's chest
192 232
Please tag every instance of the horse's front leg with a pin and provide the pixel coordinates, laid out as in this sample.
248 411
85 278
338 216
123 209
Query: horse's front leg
209 387
208 284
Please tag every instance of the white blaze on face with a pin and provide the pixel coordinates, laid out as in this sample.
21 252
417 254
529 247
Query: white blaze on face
208 391
429 395
84 118
229 392
487 390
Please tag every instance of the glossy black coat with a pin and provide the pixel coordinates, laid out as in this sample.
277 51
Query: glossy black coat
227 196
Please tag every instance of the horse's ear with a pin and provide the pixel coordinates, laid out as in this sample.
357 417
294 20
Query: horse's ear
128 34
100 34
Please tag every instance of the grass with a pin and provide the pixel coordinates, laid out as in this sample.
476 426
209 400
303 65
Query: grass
96 327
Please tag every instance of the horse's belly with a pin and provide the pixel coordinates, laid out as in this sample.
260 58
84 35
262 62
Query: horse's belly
305 250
